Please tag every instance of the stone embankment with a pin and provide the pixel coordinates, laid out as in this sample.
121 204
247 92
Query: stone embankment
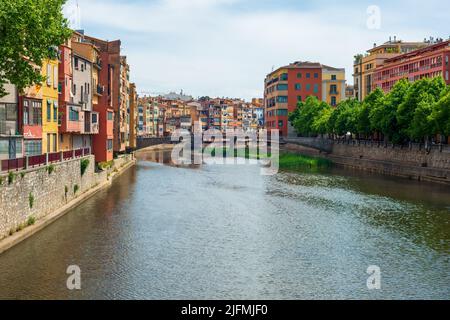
34 198
414 162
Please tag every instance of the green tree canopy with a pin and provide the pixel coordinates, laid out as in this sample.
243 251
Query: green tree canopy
344 118
30 32
420 91
305 115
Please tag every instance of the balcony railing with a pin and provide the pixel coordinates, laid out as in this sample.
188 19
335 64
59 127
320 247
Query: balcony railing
42 160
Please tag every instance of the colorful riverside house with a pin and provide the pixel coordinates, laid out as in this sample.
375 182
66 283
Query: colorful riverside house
11 139
30 119
87 90
429 62
110 101
50 106
285 87
70 123
365 65
123 137
333 84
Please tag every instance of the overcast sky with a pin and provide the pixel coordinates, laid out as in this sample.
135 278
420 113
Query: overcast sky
226 47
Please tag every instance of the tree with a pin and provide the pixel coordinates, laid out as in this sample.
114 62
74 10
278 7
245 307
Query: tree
305 115
406 109
320 123
421 125
440 116
344 118
30 32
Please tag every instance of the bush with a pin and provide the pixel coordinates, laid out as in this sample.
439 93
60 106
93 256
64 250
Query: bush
11 177
22 175
105 165
84 166
75 189
66 191
50 169
31 221
31 200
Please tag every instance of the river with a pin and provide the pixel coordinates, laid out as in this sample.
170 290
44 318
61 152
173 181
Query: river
226 232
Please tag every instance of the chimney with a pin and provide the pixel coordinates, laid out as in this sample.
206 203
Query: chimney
390 39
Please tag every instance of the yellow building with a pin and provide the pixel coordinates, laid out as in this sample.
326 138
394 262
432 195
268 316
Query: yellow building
333 85
50 107
365 65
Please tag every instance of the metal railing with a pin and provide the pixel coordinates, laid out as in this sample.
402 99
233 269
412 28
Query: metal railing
42 160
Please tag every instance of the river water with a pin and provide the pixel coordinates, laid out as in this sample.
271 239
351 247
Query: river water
225 232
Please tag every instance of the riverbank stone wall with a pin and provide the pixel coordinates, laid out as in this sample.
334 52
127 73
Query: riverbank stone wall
41 191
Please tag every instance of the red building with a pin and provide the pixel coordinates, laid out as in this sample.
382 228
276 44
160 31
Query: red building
107 91
428 62
285 87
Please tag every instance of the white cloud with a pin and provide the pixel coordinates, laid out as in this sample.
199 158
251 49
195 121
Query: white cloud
207 47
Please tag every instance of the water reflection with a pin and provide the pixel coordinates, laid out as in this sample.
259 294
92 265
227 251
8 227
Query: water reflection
219 232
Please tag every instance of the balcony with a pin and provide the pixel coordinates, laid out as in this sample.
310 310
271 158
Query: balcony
99 90
91 123
9 128
334 92
70 120
98 63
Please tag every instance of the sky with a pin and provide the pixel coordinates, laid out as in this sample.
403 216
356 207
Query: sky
225 48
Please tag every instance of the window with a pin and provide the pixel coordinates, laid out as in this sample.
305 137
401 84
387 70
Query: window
282 112
299 98
316 75
299 75
282 87
74 114
109 144
49 138
94 118
55 142
49 111
284 77
49 75
308 87
55 77
37 113
32 112
333 89
280 124
33 147
55 111
333 101
308 75
110 116
76 63
282 99
298 86
316 88
446 75
26 112
333 77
